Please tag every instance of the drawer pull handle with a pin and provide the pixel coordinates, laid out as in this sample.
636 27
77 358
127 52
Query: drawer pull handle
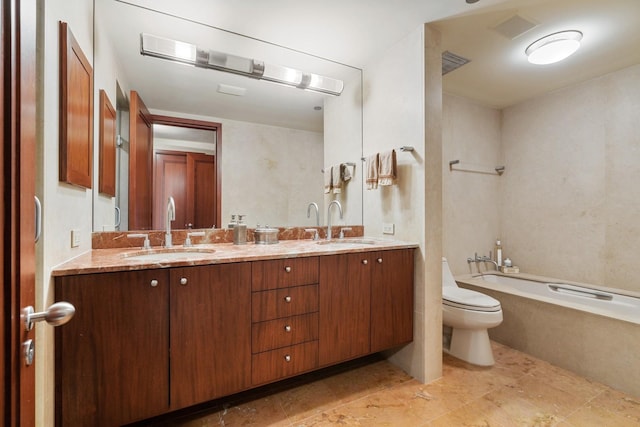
365 262
183 281
287 269
379 260
287 299
287 358
154 283
287 328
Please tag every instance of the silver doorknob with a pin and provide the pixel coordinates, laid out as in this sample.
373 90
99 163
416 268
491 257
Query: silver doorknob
57 314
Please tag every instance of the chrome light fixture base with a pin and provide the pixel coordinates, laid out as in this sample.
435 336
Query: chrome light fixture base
187 53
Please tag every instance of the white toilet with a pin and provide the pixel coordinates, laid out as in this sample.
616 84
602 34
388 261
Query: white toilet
466 316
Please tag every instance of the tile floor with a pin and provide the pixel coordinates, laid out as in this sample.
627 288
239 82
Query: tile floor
518 391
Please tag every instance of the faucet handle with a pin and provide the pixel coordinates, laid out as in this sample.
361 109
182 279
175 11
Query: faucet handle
342 230
316 236
146 244
187 241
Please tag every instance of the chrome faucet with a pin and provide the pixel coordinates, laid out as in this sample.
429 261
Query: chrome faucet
484 258
171 216
315 205
329 216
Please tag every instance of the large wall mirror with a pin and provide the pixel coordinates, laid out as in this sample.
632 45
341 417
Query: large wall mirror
271 146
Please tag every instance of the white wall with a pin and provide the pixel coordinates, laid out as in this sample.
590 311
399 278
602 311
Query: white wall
471 201
402 106
65 207
571 202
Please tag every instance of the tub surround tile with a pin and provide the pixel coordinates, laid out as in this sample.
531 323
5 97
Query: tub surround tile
373 392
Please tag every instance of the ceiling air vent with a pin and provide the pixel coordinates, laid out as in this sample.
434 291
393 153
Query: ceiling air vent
515 26
451 61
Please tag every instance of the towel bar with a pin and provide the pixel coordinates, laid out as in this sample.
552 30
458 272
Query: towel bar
403 148
456 165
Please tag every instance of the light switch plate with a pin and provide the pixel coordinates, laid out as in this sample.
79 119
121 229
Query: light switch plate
75 238
388 228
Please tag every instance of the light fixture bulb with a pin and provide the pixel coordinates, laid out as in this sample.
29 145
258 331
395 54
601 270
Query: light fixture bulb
554 47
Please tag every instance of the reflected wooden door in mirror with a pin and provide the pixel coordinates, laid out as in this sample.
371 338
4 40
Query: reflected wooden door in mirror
140 164
190 179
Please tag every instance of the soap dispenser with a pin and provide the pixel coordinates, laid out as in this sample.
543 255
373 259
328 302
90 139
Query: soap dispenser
498 252
240 232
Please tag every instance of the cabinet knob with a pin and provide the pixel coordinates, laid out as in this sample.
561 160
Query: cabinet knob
287 269
379 260
287 299
365 262
154 283
287 358
287 328
183 281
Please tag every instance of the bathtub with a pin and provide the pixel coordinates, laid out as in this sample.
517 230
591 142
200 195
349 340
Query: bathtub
591 330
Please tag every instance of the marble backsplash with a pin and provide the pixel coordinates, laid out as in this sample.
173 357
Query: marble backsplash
118 239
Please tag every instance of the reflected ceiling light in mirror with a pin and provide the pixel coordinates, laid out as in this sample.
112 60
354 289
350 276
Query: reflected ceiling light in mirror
554 47
187 53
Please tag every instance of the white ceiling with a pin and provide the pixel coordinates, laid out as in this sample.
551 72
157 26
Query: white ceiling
499 74
353 32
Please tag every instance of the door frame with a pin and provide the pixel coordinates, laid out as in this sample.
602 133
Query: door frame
17 179
204 125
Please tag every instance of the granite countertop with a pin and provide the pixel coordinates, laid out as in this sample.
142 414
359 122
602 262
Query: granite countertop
119 259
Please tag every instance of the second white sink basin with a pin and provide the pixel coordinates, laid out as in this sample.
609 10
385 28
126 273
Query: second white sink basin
355 242
169 254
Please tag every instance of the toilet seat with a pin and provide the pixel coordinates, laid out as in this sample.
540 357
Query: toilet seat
469 300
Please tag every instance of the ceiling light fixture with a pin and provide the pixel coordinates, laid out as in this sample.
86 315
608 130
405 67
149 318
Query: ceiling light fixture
187 53
554 47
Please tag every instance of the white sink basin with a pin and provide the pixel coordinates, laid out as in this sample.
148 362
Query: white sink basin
353 242
169 254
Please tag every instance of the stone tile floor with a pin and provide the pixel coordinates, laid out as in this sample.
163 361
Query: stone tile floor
519 390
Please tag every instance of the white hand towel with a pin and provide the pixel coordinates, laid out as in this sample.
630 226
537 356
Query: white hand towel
327 180
345 172
387 171
371 165
336 179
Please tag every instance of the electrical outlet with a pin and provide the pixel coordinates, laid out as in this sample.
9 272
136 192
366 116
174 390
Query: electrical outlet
388 228
75 238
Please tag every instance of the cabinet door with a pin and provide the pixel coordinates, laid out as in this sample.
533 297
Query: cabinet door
391 299
210 332
112 360
344 307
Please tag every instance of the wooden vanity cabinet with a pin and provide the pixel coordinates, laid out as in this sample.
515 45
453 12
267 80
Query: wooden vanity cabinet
345 307
366 303
144 343
210 332
284 312
112 363
391 299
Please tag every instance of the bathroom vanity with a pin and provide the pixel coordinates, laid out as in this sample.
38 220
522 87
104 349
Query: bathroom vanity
151 337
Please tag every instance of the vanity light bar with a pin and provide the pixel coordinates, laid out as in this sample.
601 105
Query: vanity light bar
187 53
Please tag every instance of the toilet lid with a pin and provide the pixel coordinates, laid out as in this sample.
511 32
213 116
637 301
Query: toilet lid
469 300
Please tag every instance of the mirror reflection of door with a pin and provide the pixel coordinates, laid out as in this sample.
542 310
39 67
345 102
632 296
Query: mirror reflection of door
140 161
185 169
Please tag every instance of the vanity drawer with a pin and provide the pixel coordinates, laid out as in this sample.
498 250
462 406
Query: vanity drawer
270 305
284 362
283 273
284 332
